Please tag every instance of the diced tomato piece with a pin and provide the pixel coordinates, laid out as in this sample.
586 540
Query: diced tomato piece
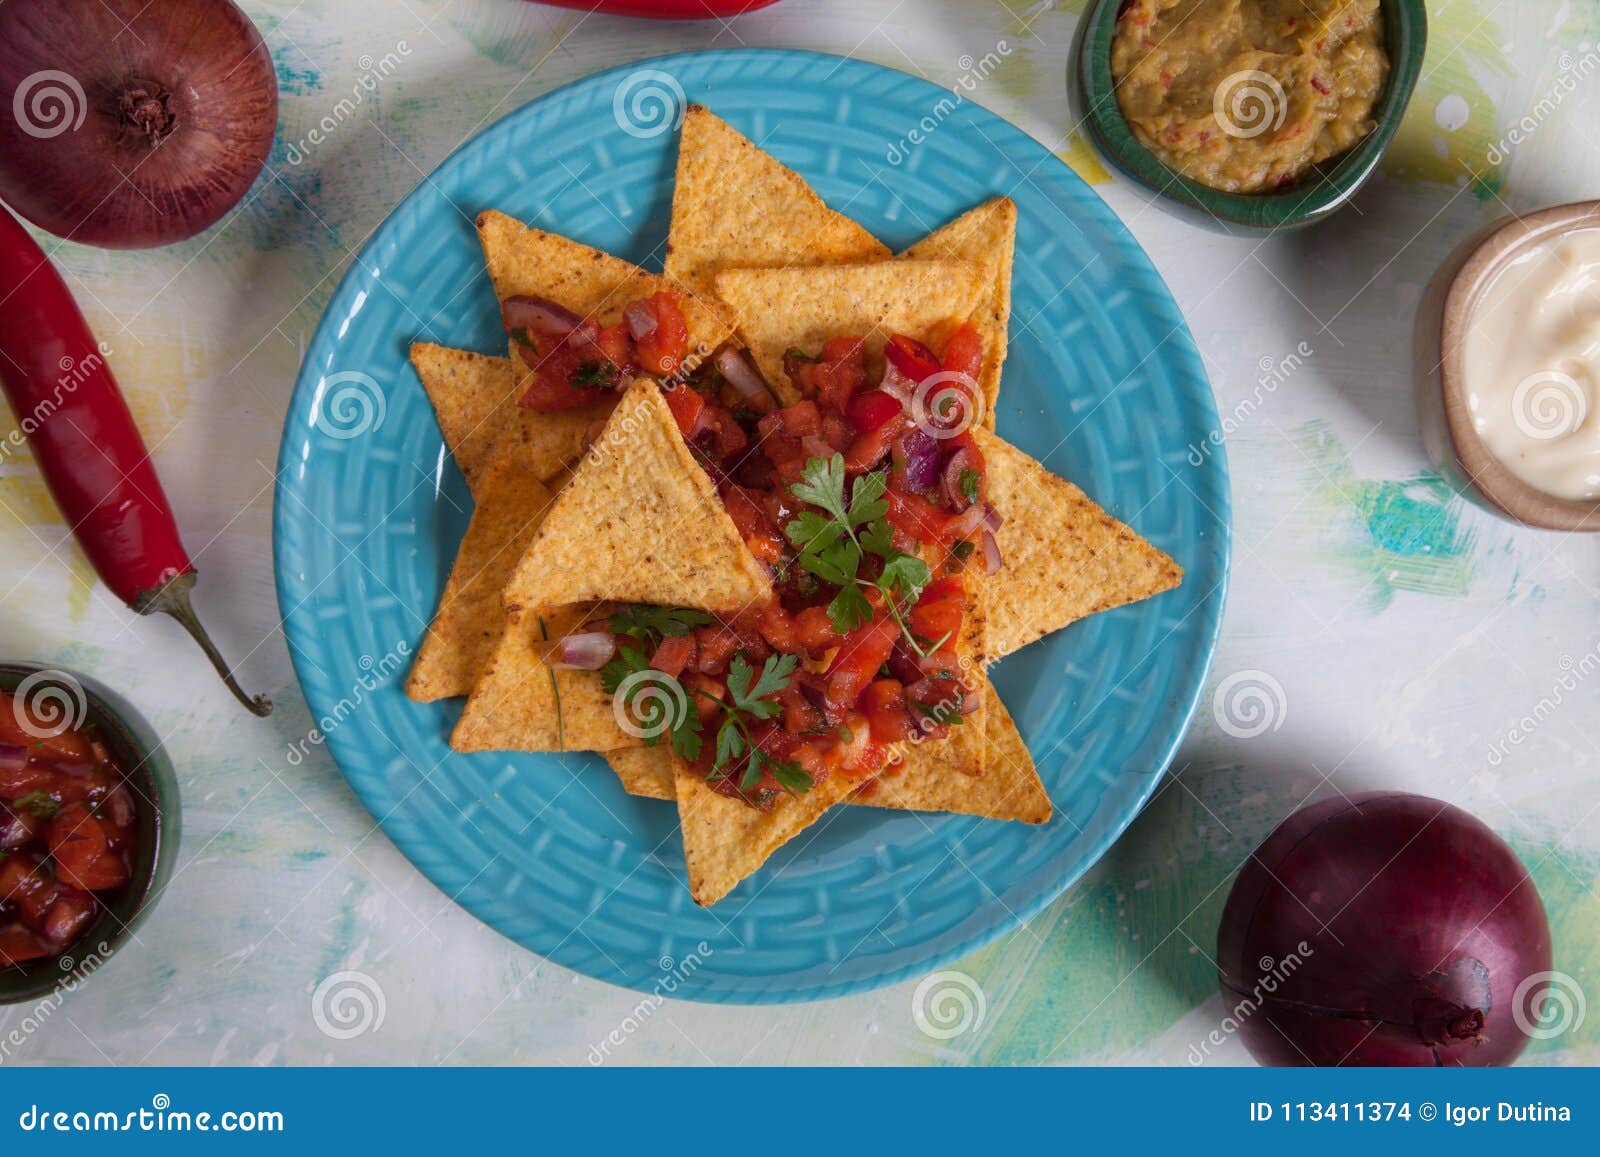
611 345
938 613
20 726
68 916
799 713
963 352
673 654
30 777
873 408
918 517
553 372
837 431
871 448
838 372
79 846
18 945
727 436
754 525
27 887
687 406
797 420
913 359
777 627
717 644
884 704
814 629
662 352
860 655
704 690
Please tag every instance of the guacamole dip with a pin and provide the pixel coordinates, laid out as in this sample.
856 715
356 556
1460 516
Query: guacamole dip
1247 95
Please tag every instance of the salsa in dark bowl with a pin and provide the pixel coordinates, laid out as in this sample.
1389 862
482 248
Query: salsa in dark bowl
87 826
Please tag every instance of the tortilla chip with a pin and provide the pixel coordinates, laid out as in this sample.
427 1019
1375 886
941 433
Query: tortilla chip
511 503
1009 788
640 522
514 705
725 839
986 235
645 771
780 309
734 205
1065 557
590 282
474 397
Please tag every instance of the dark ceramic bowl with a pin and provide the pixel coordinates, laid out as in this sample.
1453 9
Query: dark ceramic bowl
139 753
1326 188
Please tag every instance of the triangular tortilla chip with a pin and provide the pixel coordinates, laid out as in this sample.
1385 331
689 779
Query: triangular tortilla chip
780 309
645 771
725 839
514 705
985 235
1008 789
511 503
735 206
474 398
589 282
1065 557
640 522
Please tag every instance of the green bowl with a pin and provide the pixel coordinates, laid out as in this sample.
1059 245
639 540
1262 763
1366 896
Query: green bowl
139 753
1326 188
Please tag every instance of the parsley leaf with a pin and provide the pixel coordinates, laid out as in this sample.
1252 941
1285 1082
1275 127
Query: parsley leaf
969 484
36 804
627 661
849 608
595 375
650 624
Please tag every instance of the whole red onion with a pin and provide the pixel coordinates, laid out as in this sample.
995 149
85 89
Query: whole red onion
1382 929
126 123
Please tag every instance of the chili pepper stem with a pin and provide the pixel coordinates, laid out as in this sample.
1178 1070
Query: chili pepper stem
172 598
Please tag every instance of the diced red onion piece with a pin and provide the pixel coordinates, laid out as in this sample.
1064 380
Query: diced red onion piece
992 518
641 320
538 316
896 383
736 370
992 561
815 447
963 524
12 757
917 456
585 651
960 462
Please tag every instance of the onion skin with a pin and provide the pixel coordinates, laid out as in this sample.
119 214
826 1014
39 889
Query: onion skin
1431 924
178 107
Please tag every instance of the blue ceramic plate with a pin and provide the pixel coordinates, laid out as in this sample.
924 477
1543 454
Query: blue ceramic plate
1103 383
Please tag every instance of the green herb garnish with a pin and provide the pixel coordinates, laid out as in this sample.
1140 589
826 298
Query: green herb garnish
650 624
555 690
833 544
595 375
969 482
37 804
749 699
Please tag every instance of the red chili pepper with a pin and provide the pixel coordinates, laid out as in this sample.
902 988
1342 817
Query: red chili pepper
666 9
87 446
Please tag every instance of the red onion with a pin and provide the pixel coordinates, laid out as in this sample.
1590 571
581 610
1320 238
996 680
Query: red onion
734 366
950 480
538 316
896 383
585 651
916 456
129 124
992 518
640 319
963 524
12 757
1383 929
993 561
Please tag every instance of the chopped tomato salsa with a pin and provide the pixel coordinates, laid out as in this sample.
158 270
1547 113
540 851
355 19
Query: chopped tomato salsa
867 515
66 833
577 363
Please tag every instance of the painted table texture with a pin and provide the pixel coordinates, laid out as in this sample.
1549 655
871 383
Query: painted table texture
1380 632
